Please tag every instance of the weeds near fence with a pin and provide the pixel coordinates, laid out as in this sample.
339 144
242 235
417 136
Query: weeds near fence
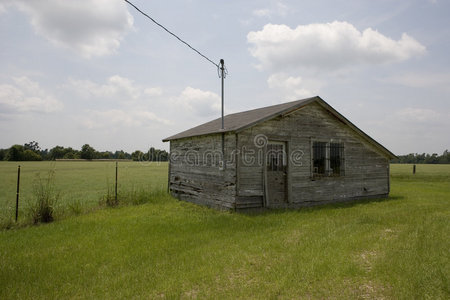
132 196
75 206
6 222
42 207
109 199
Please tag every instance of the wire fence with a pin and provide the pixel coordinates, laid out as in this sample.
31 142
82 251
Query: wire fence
79 185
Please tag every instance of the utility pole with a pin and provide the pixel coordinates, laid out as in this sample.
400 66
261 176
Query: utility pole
222 76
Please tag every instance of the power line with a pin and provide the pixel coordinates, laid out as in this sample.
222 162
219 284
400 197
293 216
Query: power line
173 34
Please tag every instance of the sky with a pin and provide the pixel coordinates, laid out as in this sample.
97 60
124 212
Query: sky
99 72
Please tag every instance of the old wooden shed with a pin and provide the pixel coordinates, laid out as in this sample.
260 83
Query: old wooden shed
293 154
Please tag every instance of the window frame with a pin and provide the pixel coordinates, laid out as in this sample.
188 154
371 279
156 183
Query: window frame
330 147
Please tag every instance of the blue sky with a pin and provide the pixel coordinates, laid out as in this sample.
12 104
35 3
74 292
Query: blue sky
98 72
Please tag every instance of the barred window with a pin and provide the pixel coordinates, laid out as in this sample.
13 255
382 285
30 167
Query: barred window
328 159
276 156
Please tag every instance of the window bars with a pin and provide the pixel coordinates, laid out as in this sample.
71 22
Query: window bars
328 158
276 157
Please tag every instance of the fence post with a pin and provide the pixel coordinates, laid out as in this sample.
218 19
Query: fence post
17 193
414 169
115 187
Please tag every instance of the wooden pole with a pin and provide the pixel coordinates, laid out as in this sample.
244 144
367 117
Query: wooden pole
414 169
17 193
222 76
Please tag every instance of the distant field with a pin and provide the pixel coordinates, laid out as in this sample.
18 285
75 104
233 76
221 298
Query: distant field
381 249
84 182
422 171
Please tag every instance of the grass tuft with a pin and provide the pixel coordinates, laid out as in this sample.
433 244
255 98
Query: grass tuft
42 207
110 199
75 206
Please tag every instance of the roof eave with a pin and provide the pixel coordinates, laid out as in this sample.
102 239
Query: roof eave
173 137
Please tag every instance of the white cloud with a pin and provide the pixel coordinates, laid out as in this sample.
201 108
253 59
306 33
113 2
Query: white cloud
279 8
422 80
127 101
199 102
327 46
155 91
116 88
27 96
89 27
264 12
291 87
419 115
114 118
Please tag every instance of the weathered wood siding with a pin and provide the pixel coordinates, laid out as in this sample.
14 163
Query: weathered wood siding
366 170
195 175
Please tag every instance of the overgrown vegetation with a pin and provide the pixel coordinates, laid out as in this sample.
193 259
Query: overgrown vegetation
45 198
381 249
130 196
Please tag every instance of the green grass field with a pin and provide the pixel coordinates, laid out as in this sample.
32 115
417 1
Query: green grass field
394 248
81 184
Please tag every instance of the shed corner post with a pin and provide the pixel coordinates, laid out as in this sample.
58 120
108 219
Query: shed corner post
169 167
266 198
237 165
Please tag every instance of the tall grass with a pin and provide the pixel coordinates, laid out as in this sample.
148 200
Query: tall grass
395 248
46 196
131 196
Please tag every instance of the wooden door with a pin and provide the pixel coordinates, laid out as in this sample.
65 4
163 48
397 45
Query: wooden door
276 173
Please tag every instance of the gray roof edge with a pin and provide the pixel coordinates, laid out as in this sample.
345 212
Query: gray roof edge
173 137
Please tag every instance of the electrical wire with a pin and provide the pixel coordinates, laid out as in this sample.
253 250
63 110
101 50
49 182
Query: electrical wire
173 34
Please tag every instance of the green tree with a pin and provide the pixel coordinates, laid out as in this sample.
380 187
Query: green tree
137 155
30 155
15 153
56 152
33 146
3 153
87 152
151 154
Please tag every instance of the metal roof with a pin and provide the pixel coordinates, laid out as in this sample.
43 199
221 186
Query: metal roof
239 121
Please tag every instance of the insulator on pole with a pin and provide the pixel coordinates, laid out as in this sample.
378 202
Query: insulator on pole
222 76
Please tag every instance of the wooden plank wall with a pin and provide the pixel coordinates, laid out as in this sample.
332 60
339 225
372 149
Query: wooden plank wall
366 170
195 175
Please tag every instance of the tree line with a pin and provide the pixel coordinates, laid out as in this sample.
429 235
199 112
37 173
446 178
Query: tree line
416 158
32 152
